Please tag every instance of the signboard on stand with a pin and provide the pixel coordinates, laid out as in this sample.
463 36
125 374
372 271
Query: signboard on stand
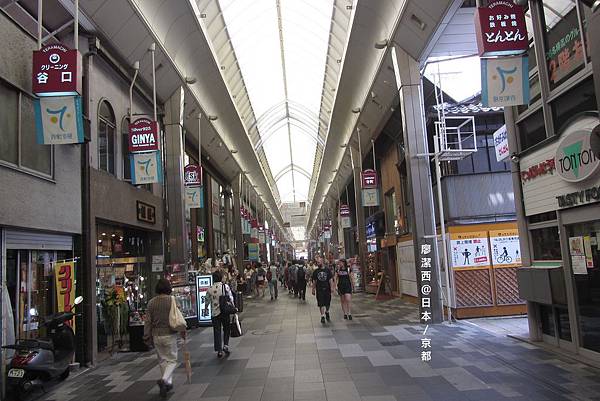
203 283
58 120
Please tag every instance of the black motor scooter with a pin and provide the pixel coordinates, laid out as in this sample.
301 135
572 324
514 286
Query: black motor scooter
37 361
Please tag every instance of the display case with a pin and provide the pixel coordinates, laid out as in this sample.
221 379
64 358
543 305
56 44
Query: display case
186 297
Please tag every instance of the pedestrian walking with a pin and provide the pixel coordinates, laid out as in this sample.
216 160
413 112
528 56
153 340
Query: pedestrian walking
221 320
272 280
301 282
293 279
261 280
323 286
159 333
345 287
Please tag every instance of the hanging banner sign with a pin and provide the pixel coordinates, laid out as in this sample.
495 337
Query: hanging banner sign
58 120
369 179
64 274
504 81
143 135
344 210
194 197
500 29
370 197
253 252
261 235
145 168
501 144
192 175
56 71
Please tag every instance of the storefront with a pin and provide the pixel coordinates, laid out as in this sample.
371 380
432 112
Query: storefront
29 258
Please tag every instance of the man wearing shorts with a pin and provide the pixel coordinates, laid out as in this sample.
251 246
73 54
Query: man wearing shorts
323 286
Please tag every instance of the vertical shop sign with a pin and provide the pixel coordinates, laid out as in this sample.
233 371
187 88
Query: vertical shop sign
200 234
146 168
506 249
64 274
346 221
469 249
254 230
425 294
143 135
327 231
370 197
253 252
203 283
261 235
58 120
369 179
56 71
500 29
194 197
504 81
192 174
501 144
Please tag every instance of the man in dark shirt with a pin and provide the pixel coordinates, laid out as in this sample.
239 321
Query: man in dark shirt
323 285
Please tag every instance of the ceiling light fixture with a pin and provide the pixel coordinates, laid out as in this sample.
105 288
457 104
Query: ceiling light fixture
213 118
190 80
382 44
356 110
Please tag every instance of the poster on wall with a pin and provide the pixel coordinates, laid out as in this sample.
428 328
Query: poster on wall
469 249
64 274
58 120
145 168
577 251
505 248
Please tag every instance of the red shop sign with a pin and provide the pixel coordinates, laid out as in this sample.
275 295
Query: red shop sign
192 175
344 210
143 135
500 29
545 167
369 179
56 71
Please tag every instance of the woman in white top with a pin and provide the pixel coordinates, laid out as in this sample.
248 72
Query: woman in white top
220 321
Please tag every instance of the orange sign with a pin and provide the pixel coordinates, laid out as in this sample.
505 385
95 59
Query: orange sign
64 274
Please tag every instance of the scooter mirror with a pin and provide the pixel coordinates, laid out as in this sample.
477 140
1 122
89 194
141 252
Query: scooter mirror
78 300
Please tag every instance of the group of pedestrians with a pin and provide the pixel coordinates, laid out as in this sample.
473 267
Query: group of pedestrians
324 278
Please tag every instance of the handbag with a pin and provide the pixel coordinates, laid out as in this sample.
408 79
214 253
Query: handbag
225 304
176 319
236 327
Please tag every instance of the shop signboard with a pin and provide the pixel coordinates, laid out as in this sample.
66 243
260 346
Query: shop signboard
346 221
505 247
369 179
64 274
501 144
145 212
261 235
146 168
56 71
253 252
370 197
203 283
504 81
564 54
143 135
575 160
200 234
192 174
500 29
58 120
157 263
194 197
469 249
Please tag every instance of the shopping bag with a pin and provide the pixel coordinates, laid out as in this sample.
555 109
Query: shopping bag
176 319
236 327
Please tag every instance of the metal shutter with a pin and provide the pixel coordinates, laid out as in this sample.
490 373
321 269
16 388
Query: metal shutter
35 240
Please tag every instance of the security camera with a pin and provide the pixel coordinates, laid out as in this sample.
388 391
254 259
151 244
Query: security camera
514 158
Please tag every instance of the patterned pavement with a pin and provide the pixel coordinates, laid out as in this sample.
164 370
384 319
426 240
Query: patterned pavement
287 354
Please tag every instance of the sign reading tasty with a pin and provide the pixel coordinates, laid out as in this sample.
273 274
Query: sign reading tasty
143 135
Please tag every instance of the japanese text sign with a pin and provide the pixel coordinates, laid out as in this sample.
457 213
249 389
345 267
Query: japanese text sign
194 198
504 81
203 283
56 71
425 265
369 179
58 120
193 175
344 210
145 168
500 29
143 135
64 274
501 144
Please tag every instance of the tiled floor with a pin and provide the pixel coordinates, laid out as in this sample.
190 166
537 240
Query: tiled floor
287 354
503 325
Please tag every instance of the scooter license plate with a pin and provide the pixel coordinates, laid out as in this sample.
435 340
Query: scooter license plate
16 373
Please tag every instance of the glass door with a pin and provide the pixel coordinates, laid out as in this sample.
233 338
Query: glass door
584 254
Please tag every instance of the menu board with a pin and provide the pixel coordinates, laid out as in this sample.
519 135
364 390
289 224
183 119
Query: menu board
469 249
203 283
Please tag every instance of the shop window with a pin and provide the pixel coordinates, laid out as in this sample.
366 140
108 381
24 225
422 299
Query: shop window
577 100
563 324
18 137
542 217
106 137
546 244
584 255
564 45
532 130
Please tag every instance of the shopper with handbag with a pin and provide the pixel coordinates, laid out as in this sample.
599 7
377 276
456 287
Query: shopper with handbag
222 305
163 321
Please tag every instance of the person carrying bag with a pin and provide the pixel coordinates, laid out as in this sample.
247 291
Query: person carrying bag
220 300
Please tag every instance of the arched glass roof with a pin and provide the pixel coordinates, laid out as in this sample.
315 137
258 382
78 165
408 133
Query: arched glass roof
281 47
